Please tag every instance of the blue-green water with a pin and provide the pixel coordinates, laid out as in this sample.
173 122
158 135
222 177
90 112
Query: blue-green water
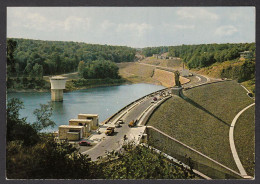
104 101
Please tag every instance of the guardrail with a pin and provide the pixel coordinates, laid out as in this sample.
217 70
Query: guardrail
125 107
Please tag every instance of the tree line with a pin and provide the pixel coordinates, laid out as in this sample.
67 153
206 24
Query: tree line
36 58
203 55
99 69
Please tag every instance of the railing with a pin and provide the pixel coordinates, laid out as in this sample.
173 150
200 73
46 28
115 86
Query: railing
124 108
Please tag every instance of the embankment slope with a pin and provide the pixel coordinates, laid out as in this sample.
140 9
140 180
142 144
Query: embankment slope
203 119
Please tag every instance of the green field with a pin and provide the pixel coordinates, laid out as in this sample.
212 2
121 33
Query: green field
244 136
203 119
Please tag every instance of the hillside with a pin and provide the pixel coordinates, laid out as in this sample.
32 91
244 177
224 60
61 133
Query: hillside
139 73
202 120
173 63
241 70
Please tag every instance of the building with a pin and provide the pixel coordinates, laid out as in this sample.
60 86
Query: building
86 123
156 56
185 73
93 117
71 133
246 54
57 86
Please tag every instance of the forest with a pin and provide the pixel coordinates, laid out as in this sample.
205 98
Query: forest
198 56
28 57
29 60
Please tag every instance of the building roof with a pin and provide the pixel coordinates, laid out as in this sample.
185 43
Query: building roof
58 78
81 120
89 115
245 52
70 126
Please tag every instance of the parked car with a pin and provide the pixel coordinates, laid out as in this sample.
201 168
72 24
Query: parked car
155 99
84 143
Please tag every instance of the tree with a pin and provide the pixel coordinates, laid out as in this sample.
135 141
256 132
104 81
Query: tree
81 68
138 162
11 46
43 117
18 128
37 70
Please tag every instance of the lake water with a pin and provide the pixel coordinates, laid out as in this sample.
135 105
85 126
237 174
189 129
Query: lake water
104 101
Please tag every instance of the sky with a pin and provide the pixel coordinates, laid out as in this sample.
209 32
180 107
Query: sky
133 26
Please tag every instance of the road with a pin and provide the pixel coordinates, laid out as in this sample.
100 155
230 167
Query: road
104 143
195 79
114 142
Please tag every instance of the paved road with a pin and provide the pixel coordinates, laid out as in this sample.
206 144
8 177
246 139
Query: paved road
195 79
232 143
115 141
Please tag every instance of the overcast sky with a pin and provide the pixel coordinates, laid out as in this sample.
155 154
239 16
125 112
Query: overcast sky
134 26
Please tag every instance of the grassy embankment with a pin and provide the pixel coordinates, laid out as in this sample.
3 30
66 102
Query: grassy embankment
244 136
172 63
138 73
202 121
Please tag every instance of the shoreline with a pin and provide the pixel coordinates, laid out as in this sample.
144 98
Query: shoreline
78 88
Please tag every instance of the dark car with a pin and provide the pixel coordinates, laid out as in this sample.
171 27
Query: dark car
84 143
155 99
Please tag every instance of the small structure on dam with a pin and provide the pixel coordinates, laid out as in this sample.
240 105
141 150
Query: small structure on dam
57 87
184 72
177 89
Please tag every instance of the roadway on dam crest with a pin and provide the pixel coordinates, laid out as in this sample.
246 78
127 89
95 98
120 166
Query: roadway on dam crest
103 143
115 141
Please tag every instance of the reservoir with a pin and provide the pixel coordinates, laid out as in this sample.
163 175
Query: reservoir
104 101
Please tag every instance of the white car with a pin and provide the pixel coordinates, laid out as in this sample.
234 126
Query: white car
120 121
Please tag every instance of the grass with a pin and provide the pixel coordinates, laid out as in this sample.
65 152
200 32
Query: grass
136 73
250 85
244 135
173 63
202 121
167 78
215 69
